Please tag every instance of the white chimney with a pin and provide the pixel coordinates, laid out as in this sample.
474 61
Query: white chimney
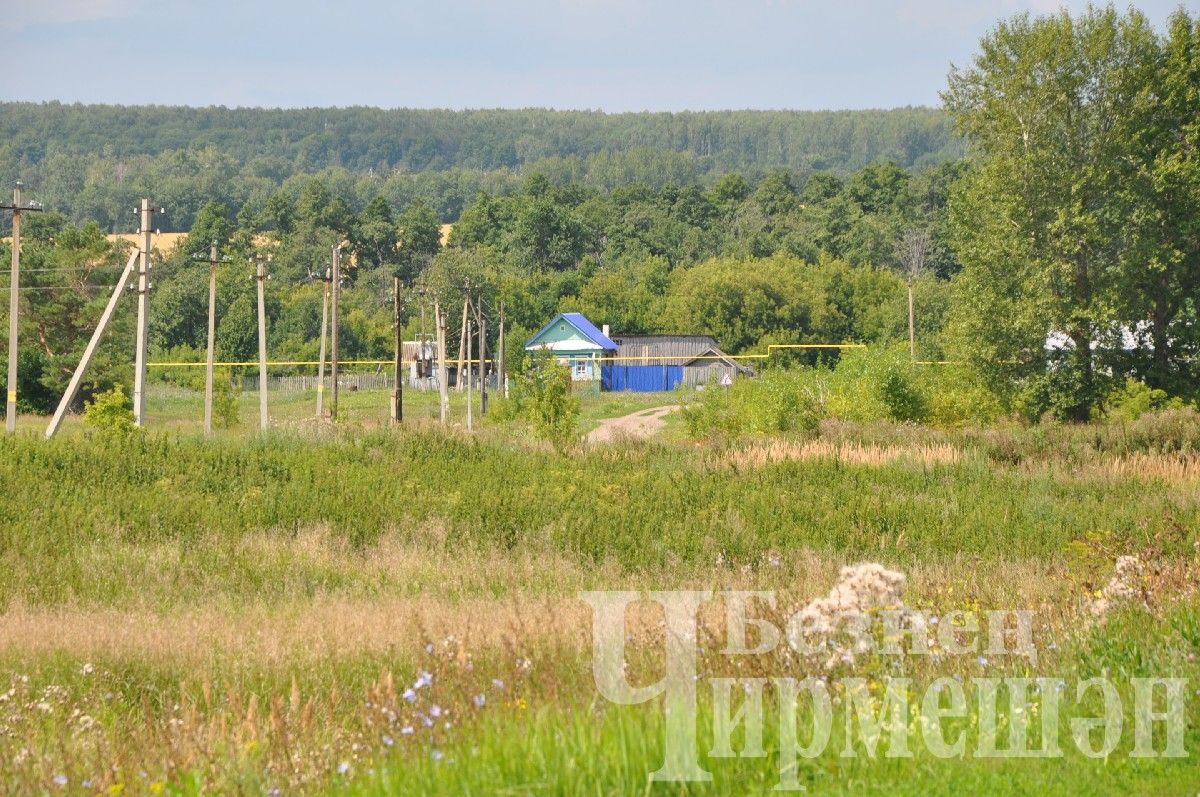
604 329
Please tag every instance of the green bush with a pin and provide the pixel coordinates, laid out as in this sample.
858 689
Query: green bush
1133 399
541 395
225 401
878 384
110 413
958 397
776 402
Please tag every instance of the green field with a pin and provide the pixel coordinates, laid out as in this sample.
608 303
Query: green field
244 614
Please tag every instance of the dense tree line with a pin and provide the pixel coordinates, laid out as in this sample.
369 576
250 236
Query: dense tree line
90 162
785 259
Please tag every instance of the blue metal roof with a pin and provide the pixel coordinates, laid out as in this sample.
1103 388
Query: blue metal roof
585 327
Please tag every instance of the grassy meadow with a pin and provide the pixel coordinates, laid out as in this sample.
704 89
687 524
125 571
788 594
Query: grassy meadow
366 610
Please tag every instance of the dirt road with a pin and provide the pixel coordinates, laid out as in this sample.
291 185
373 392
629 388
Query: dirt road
644 423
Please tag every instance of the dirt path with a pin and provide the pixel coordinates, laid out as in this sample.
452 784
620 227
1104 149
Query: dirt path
643 423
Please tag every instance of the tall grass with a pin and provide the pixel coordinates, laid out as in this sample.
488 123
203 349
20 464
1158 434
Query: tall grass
644 508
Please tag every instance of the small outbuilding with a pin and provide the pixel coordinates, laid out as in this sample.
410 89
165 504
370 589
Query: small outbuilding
646 363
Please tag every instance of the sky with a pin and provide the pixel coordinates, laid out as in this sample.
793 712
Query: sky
611 55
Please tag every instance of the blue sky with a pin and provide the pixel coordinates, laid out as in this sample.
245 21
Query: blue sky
614 55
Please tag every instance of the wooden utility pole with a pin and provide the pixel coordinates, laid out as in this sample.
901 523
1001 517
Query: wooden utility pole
482 323
73 387
333 333
324 328
439 321
139 360
212 333
912 330
502 376
470 413
398 386
260 276
912 251
14 306
462 345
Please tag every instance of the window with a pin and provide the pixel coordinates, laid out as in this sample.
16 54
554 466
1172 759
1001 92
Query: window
581 369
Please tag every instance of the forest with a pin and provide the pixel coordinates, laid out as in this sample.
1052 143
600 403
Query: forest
90 162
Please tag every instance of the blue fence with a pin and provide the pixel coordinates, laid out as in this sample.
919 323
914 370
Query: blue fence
640 378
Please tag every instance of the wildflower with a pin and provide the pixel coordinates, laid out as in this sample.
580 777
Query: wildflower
496 682
88 668
982 661
406 730
435 710
437 755
410 695
60 780
428 723
274 792
429 648
479 700
343 767
423 680
388 741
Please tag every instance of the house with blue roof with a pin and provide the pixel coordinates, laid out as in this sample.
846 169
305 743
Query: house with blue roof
576 343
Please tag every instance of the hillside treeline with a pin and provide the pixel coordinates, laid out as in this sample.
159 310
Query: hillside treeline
780 259
91 161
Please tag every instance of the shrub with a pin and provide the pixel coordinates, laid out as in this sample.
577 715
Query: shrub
878 384
541 395
778 401
110 413
225 401
1133 399
958 396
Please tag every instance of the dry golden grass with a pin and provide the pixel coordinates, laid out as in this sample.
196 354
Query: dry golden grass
1166 468
329 627
850 453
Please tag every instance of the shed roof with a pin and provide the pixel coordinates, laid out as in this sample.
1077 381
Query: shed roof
582 325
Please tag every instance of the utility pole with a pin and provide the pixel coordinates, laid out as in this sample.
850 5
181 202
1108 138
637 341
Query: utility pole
481 321
398 387
324 329
470 414
502 377
912 251
333 333
439 321
912 330
73 387
213 260
462 340
139 360
14 305
260 276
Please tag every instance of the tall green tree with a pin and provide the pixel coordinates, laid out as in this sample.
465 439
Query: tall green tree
1038 225
1162 187
420 232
